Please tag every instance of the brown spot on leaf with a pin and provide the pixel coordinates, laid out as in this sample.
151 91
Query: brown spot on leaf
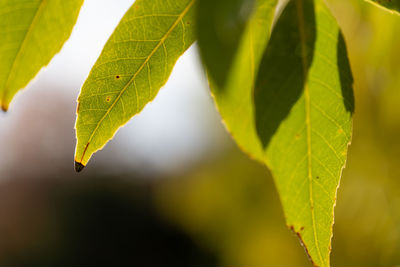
108 98
117 77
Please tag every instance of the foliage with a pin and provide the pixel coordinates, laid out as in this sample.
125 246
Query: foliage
135 63
390 5
31 33
280 77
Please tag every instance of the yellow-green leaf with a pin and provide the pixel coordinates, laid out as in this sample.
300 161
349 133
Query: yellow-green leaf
299 122
389 5
304 106
134 64
31 33
220 26
235 99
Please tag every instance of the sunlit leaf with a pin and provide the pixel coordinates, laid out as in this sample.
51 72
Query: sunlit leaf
235 99
304 106
134 64
301 122
220 26
31 33
390 5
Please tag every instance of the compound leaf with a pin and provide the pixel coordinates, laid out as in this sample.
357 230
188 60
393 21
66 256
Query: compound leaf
31 33
134 64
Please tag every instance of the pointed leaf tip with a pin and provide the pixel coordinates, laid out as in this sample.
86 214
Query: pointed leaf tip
26 28
132 70
4 108
79 166
303 137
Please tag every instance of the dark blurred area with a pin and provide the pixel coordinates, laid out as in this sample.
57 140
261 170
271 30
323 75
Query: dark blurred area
172 188
100 221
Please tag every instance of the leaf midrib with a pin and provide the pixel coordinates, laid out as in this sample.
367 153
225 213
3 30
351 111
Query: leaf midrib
4 105
162 40
305 63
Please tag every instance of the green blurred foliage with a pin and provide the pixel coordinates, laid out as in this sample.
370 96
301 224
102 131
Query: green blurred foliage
230 203
367 228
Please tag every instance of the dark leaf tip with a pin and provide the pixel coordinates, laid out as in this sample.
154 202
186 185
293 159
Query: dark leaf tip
79 166
4 108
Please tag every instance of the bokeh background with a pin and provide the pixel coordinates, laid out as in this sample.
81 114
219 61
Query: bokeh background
172 189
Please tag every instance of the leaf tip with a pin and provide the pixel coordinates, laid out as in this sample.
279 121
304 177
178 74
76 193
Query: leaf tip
79 166
4 107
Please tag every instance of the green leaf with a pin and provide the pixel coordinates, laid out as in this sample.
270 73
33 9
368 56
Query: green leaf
304 105
235 99
31 33
389 5
134 64
220 27
301 122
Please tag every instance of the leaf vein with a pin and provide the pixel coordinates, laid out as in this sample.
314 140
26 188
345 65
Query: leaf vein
132 80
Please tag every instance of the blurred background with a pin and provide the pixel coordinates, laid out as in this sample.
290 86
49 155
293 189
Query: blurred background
172 189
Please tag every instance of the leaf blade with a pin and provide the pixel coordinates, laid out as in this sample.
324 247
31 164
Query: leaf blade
388 5
32 33
220 27
306 150
234 101
300 65
149 39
